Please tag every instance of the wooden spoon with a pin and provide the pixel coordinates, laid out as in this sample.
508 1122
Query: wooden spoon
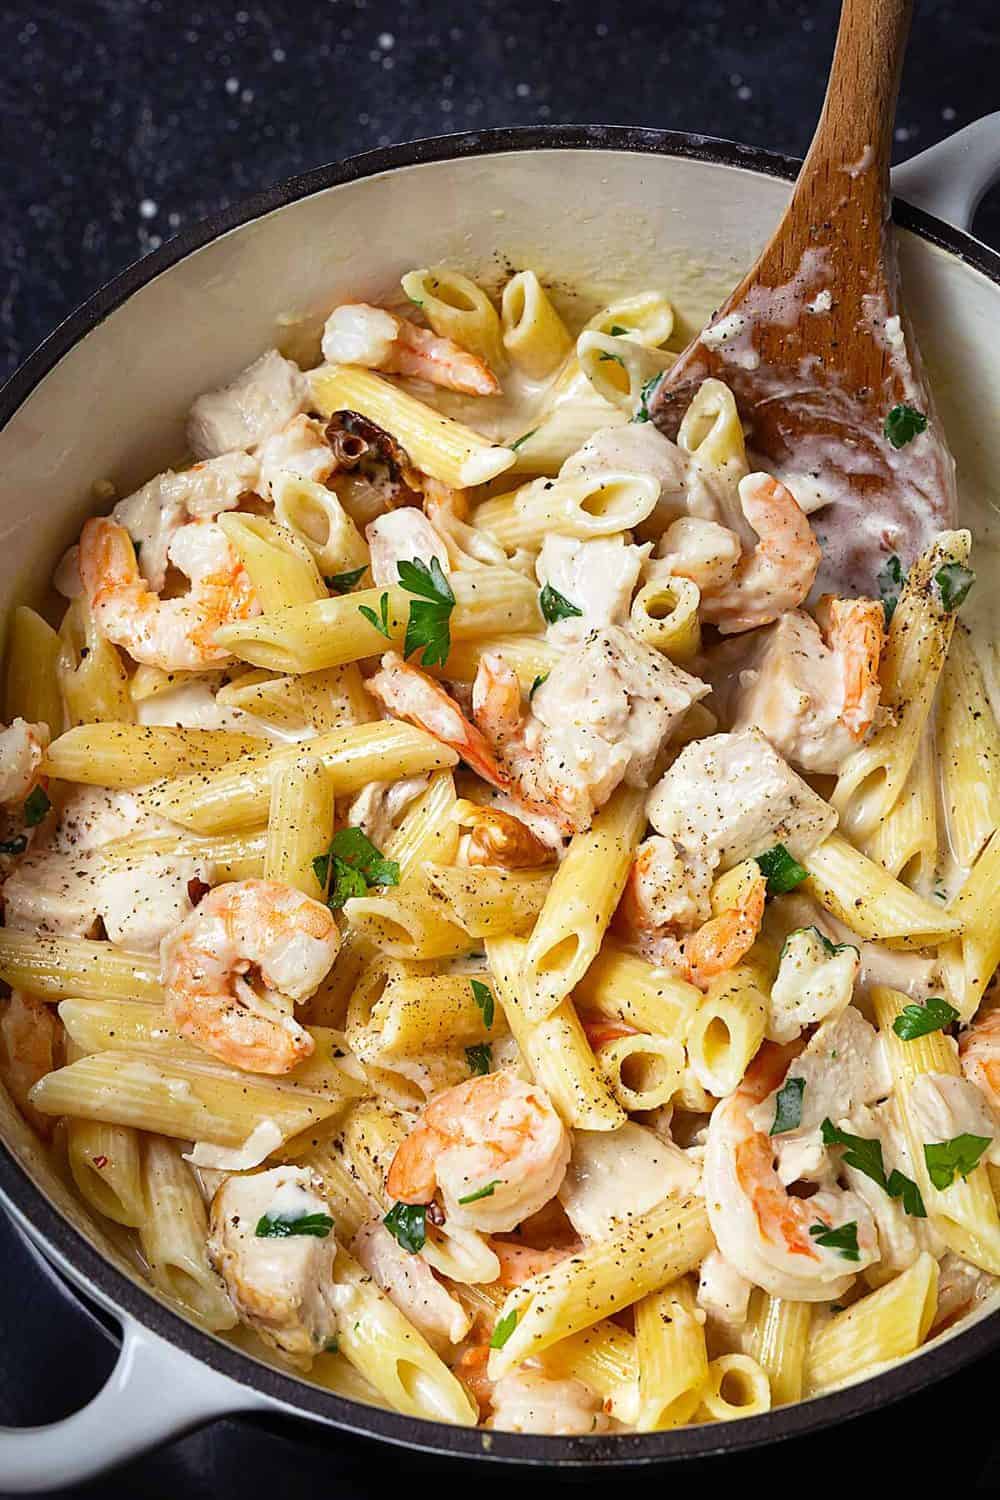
811 341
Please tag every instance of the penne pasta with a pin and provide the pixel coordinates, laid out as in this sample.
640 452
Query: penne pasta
32 689
282 569
123 755
673 1360
878 1329
778 1340
458 309
487 901
867 899
968 746
623 987
969 960
105 1161
55 968
174 1236
584 507
535 337
299 825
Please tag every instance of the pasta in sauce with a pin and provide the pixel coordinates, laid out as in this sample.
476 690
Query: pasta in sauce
479 921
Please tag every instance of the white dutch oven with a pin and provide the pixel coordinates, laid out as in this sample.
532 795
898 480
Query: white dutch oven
608 210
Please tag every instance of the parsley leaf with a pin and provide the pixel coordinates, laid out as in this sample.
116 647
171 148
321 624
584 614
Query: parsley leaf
920 1020
407 1223
544 677
332 1346
14 846
504 1328
521 440
959 1155
373 619
479 1058
782 871
866 1156
954 582
646 395
351 865
555 607
483 996
788 1106
36 806
830 949
342 583
903 1187
483 1192
618 332
616 357
278 1226
428 625
902 425
844 1239
890 579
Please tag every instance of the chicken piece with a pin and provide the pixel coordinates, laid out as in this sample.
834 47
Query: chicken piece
257 404
638 447
723 1294
731 796
30 1033
409 1282
299 451
403 535
378 807
614 1174
701 550
815 981
281 1285
598 576
528 1400
944 1105
22 750
962 1288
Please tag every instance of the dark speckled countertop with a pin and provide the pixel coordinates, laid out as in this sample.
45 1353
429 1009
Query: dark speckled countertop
126 120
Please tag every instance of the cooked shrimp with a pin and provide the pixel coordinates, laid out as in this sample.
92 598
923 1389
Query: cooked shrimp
599 1032
529 1400
359 334
408 693
518 1263
175 634
467 546
29 1038
22 750
855 631
762 1229
723 940
778 573
979 1052
287 938
498 838
494 1140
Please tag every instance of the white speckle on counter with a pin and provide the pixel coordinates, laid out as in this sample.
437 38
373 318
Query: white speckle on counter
822 302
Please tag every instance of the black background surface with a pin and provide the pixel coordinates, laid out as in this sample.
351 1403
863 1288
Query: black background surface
124 120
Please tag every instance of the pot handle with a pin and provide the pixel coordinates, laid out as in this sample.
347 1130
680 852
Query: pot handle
155 1392
948 180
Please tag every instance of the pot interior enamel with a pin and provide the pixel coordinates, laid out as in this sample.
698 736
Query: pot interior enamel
594 222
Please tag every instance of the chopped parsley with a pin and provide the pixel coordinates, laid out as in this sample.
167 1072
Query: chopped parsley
788 1106
903 1187
373 618
483 996
543 677
479 1058
783 873
844 1239
279 1226
618 332
920 1020
36 806
865 1156
959 1155
428 626
890 579
642 413
616 357
830 949
519 442
954 582
407 1223
342 583
332 1346
14 846
902 425
351 865
504 1328
555 607
483 1192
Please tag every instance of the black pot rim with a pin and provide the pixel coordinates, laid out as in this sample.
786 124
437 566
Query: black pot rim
295 1396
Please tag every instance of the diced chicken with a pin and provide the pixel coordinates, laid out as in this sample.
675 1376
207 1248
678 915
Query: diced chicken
280 1284
944 1105
409 1282
527 1400
598 576
379 806
156 512
962 1288
300 450
22 750
30 1033
731 796
815 981
403 535
723 1294
639 447
793 693
614 1174
701 550
257 404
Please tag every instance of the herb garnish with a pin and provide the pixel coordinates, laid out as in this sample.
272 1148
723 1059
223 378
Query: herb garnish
555 607
830 949
902 425
865 1156
14 846
428 625
342 583
373 619
351 865
959 1155
954 581
504 1328
890 580
788 1106
618 332
407 1222
920 1020
521 440
543 677
36 806
483 996
616 357
782 871
844 1239
647 393
279 1226
483 1192
479 1058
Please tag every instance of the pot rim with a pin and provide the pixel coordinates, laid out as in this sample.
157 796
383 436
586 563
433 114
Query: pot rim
289 1393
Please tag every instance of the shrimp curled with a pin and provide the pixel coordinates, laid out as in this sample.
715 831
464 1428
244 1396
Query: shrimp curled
262 926
778 573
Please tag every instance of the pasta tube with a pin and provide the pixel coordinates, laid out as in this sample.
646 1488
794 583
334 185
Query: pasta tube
130 755
535 337
878 1329
300 824
673 1361
32 688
